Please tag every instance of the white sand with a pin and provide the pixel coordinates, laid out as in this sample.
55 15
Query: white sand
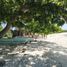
59 38
50 53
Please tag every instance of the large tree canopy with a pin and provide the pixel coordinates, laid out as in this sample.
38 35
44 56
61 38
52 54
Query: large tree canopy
43 13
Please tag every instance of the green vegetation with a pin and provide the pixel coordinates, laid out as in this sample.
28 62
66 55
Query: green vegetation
33 16
64 31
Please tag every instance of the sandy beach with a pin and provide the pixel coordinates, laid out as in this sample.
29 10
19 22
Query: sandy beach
59 38
49 52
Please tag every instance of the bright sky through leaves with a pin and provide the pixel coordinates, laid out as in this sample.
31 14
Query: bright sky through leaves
64 27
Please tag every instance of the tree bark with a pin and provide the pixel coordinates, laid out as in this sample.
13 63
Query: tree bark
5 30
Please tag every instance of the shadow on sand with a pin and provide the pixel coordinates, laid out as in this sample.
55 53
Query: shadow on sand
37 54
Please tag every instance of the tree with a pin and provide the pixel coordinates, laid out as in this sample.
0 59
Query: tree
43 11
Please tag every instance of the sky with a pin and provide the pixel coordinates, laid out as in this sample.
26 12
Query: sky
64 27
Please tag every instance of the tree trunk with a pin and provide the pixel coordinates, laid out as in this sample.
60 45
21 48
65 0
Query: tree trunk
5 30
